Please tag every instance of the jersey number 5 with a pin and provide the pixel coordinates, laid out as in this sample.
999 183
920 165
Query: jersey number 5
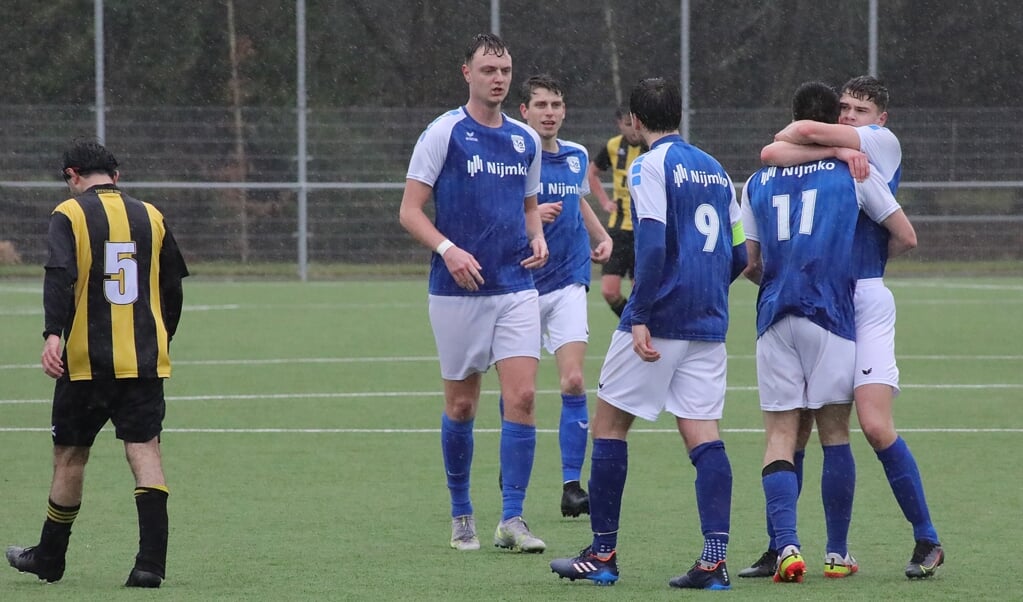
781 204
122 286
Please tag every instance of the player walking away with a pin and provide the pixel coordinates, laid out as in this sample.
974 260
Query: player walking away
800 220
617 156
861 127
669 350
569 225
482 170
113 291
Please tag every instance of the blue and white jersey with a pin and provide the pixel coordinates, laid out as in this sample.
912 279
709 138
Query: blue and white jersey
805 219
689 192
480 177
885 155
563 178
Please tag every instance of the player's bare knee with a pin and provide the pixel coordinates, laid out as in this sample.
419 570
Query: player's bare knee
572 383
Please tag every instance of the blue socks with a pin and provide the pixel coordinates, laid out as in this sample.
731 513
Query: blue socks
609 465
573 431
781 492
713 497
838 486
456 443
518 447
904 477
799 457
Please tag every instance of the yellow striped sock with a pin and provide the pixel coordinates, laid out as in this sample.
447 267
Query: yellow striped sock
142 490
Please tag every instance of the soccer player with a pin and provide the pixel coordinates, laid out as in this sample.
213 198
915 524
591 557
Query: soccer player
112 290
801 222
669 350
861 126
617 156
569 225
482 170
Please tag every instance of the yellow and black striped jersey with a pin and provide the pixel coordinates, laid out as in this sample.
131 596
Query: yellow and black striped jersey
618 155
112 286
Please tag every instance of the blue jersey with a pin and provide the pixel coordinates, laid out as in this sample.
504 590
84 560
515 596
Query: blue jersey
689 192
563 179
480 177
804 218
885 155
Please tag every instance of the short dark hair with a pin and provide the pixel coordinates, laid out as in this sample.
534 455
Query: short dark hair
89 157
869 88
539 81
657 102
491 43
621 112
816 101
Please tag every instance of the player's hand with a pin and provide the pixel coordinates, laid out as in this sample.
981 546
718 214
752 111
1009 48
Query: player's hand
540 254
549 211
464 268
859 165
609 206
602 252
642 344
53 365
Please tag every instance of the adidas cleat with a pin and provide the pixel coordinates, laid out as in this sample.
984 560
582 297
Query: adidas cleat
587 565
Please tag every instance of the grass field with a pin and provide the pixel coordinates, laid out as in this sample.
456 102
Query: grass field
302 453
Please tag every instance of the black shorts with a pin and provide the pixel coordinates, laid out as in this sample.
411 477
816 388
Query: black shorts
81 408
623 255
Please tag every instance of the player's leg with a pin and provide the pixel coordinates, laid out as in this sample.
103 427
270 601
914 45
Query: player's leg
781 492
877 384
516 351
838 487
697 398
75 421
138 415
463 330
617 267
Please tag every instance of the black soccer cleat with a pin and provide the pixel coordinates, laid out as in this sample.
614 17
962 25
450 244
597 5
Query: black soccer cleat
927 557
140 578
704 575
763 567
574 500
30 560
587 565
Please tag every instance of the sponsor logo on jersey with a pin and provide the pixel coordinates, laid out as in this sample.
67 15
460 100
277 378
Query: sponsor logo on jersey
562 189
682 175
574 164
477 165
518 143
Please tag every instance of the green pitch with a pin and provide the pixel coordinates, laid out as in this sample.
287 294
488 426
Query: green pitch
303 458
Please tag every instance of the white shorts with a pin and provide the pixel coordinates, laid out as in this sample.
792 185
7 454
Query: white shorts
688 381
472 333
875 334
801 365
563 317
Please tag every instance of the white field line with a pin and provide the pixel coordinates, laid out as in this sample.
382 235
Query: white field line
433 358
485 393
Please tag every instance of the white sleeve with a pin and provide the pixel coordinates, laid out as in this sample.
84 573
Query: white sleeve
584 188
533 186
875 198
647 188
749 223
430 152
882 149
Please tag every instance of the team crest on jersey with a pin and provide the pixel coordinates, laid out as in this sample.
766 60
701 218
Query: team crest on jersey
519 143
574 165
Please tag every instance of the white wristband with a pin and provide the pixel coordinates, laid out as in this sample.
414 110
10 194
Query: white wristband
444 246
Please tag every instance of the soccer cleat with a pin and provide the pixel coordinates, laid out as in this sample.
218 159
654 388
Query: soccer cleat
29 560
140 578
704 575
587 565
463 533
837 566
763 567
574 500
791 567
927 557
514 534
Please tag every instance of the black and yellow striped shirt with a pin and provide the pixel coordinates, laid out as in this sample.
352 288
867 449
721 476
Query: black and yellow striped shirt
618 155
113 286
